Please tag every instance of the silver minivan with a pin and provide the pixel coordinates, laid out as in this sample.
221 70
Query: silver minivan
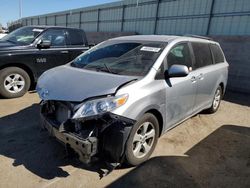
115 100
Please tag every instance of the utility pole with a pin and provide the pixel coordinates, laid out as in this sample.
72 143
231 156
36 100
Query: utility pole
20 9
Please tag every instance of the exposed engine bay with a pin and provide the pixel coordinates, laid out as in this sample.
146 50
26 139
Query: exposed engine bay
103 136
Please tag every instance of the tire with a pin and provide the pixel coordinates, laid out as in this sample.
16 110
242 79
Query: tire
217 98
14 82
133 155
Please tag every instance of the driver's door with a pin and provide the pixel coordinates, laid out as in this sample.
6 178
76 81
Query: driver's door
180 91
56 55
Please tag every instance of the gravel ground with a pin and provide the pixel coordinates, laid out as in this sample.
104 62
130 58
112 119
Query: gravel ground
205 151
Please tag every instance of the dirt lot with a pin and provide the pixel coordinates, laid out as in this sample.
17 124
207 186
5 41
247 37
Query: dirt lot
205 151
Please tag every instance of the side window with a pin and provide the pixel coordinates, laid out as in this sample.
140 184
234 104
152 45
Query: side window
202 54
55 36
180 54
218 55
75 37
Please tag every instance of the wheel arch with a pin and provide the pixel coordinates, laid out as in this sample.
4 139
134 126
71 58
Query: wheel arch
222 87
159 117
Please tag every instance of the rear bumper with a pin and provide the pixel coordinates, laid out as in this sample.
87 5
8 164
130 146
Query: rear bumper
85 148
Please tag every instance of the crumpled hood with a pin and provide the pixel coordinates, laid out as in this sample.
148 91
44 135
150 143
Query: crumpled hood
67 83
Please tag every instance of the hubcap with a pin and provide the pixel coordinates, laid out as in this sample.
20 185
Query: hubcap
216 99
14 83
143 140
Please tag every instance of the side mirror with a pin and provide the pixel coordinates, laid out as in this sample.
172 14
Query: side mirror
177 71
44 44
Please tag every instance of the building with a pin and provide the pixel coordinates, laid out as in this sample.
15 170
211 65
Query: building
202 17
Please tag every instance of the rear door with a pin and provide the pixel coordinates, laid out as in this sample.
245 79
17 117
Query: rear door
76 42
181 93
54 56
205 74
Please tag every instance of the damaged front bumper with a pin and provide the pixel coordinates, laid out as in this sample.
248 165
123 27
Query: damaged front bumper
104 136
85 148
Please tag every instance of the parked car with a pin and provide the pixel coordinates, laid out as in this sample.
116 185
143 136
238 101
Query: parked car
115 100
29 51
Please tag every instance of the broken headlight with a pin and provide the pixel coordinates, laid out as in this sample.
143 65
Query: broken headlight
99 106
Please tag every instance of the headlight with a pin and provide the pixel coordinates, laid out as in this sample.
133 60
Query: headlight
99 106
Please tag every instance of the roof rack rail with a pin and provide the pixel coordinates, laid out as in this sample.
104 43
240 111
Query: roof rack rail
198 36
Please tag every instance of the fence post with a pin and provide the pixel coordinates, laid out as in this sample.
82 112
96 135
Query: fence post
80 19
210 17
156 15
98 19
122 20
55 20
46 20
66 20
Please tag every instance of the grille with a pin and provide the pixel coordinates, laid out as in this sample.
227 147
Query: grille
58 111
62 112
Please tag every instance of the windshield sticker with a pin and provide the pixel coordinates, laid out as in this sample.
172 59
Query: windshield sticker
37 30
150 49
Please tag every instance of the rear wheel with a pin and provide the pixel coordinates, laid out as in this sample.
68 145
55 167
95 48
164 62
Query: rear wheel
142 140
216 101
14 82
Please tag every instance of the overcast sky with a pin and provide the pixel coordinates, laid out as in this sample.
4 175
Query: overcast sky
9 9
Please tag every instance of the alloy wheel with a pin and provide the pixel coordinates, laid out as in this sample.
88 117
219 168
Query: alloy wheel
217 98
143 140
14 83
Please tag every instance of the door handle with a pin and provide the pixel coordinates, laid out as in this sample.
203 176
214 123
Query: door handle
200 77
65 52
193 79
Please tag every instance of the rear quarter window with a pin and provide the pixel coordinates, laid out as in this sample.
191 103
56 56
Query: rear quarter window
202 54
217 53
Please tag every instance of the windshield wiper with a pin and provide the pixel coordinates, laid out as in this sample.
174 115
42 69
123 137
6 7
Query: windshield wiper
102 68
108 68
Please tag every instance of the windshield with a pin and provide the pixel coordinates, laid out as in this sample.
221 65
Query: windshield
23 36
123 58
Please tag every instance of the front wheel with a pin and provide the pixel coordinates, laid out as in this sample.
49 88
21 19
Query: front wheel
142 140
14 82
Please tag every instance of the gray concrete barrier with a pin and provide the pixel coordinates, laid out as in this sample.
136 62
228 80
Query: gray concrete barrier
237 52
97 37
